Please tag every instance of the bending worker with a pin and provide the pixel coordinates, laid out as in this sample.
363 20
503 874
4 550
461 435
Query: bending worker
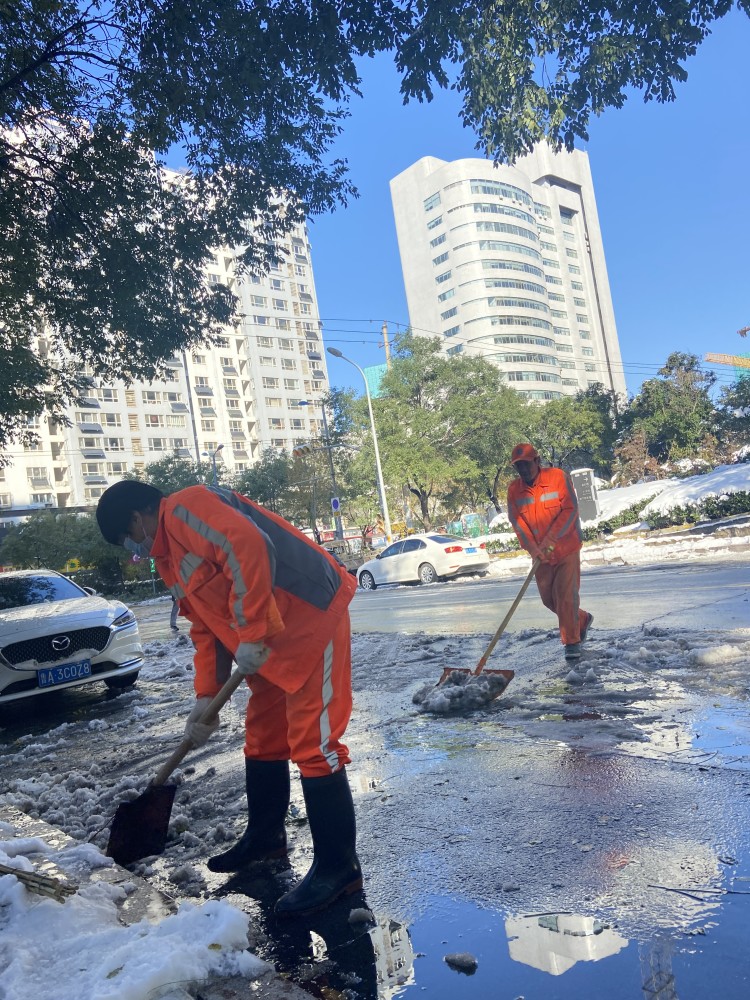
258 592
543 509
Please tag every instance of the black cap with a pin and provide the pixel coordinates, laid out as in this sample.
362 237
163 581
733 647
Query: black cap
117 504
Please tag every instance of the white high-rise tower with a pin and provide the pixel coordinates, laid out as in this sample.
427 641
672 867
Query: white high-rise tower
508 263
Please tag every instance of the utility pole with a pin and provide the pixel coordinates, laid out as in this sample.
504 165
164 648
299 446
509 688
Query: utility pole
386 344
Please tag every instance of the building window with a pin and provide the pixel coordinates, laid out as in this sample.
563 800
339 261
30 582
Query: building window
552 279
434 223
577 286
548 246
578 301
458 349
562 331
571 253
154 420
582 317
273 401
199 359
116 468
112 444
542 210
446 295
259 301
559 313
268 360
440 278
265 342
449 312
111 419
432 202
555 297
270 383
288 364
574 269
584 335
438 240
452 332
440 259
502 190
276 423
587 352
565 348
589 367
208 426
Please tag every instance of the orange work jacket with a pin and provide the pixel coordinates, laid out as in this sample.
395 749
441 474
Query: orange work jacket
244 574
546 513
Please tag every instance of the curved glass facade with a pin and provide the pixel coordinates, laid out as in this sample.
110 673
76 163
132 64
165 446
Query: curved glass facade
505 242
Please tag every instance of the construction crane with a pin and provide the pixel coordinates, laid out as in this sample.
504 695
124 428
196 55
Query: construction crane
733 360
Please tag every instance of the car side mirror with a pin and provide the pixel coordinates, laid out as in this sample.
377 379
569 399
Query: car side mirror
378 555
90 591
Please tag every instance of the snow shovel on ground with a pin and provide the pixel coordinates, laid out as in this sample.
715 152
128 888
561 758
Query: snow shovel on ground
479 669
140 827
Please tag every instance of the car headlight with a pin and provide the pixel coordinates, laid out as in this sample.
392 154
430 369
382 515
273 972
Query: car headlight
126 618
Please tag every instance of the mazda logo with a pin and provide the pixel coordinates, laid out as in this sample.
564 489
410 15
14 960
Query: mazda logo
60 643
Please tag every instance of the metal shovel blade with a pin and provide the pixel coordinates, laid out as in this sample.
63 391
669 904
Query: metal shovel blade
140 827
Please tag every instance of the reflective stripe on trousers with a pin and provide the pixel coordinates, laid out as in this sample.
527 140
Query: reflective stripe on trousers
306 727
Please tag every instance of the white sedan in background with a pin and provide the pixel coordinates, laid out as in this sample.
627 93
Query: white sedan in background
423 559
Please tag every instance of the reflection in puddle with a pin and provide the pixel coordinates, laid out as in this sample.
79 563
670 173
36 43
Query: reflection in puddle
554 942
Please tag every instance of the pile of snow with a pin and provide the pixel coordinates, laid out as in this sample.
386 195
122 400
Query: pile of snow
78 948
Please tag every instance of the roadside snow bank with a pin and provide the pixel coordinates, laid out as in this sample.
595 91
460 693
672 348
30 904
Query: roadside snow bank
79 949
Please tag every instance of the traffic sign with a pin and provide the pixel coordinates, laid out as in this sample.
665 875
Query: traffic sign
335 505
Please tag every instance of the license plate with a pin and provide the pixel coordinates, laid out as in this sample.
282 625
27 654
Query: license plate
50 676
470 550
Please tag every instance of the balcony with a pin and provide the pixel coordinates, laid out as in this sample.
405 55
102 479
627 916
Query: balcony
90 428
203 390
93 453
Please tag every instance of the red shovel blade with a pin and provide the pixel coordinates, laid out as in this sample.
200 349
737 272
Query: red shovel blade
140 827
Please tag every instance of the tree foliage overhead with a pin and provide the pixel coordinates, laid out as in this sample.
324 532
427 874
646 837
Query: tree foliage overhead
108 257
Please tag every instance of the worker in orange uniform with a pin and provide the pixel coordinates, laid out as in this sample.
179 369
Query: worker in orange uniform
543 509
259 592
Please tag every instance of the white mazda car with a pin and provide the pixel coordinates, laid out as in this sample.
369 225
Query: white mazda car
423 559
55 634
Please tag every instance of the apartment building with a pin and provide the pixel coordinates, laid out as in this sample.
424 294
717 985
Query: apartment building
259 387
508 263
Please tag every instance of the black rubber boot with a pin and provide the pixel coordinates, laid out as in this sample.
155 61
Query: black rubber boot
335 869
267 786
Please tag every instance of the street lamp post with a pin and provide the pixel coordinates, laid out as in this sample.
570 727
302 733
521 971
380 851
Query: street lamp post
213 455
329 450
381 486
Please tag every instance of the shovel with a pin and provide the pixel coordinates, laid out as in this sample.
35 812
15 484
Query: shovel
507 674
140 827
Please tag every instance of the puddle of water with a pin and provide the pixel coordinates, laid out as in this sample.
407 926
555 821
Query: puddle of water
569 956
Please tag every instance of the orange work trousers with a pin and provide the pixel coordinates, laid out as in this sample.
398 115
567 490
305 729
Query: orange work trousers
559 587
307 726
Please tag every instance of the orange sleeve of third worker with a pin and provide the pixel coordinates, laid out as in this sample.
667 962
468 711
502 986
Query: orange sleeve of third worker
521 527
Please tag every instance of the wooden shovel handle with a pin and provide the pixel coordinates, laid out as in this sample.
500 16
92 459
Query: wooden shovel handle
212 710
493 641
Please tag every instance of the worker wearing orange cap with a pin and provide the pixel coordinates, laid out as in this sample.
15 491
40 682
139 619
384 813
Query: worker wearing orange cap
543 509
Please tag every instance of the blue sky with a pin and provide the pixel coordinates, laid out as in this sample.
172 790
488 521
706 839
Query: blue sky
672 191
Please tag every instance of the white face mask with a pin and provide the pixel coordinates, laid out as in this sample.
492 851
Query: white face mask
140 549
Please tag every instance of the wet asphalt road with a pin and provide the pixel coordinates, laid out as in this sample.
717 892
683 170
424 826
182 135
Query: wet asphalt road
539 856
617 596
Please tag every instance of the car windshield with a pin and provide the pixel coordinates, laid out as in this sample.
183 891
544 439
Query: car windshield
442 539
20 591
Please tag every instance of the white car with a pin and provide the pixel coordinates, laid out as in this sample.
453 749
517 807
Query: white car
55 634
423 559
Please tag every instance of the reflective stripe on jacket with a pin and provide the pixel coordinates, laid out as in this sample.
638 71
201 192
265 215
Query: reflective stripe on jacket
244 574
546 513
